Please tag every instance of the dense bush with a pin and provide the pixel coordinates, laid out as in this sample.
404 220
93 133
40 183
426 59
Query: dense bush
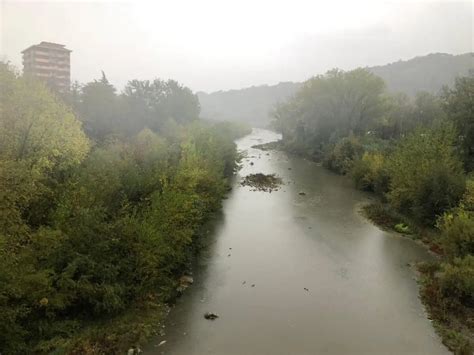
457 226
341 158
457 280
426 175
370 173
447 291
457 232
88 235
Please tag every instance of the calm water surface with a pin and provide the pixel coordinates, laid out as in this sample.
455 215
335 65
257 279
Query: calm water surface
361 298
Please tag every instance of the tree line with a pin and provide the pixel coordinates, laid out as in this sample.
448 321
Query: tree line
103 198
417 155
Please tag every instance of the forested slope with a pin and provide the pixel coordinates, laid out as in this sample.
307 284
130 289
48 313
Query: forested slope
253 105
425 73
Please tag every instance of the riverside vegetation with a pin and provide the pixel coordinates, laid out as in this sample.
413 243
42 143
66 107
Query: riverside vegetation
102 199
417 154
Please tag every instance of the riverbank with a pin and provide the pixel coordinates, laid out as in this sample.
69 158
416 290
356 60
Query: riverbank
451 319
318 270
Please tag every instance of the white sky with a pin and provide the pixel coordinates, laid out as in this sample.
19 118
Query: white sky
210 45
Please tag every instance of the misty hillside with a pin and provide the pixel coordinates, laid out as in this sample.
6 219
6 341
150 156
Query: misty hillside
251 105
426 73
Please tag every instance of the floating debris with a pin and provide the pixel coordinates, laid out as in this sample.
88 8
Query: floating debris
210 315
262 182
134 350
186 279
184 282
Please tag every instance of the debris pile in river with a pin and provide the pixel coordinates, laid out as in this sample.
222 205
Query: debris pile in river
276 145
262 182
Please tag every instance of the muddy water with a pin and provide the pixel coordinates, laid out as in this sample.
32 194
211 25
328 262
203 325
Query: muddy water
361 296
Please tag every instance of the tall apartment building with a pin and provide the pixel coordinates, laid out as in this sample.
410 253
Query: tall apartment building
49 62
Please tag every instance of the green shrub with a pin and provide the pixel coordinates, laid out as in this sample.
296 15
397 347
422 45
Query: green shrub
447 290
457 232
402 228
369 173
457 280
457 226
467 200
426 175
341 158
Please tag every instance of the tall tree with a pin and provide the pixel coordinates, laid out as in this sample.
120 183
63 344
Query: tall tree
153 103
332 105
459 105
98 108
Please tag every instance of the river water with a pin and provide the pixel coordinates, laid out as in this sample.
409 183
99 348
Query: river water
361 295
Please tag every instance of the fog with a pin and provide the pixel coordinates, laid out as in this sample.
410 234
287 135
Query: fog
236 177
213 45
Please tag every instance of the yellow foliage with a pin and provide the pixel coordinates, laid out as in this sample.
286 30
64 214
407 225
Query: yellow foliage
36 127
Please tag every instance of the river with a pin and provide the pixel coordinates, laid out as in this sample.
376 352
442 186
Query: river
361 296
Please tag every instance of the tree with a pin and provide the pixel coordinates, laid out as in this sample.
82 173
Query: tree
98 108
397 119
40 139
332 106
36 128
153 103
458 103
428 109
426 175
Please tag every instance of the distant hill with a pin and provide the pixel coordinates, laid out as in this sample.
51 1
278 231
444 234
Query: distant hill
427 73
253 104
250 105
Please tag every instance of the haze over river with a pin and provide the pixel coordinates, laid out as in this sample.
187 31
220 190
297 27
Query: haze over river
361 299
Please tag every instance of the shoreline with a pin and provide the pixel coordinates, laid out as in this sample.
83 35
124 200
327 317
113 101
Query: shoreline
451 328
